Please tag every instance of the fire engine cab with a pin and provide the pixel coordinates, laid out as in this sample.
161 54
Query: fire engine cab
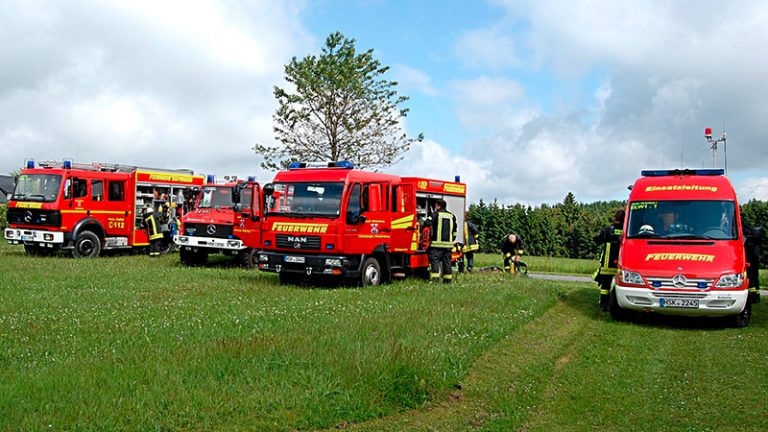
89 207
682 250
333 220
224 220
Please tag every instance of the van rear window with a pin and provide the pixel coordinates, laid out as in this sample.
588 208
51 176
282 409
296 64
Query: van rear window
681 219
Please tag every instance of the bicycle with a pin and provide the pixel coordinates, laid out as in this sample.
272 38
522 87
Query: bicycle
520 268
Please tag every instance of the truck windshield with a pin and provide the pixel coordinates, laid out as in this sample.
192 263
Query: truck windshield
306 199
711 220
37 187
216 197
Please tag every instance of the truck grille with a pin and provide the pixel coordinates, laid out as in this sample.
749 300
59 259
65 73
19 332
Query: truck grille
208 230
297 242
689 283
37 217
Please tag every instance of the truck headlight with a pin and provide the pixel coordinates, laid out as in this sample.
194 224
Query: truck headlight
632 278
333 262
263 258
9 233
183 240
732 280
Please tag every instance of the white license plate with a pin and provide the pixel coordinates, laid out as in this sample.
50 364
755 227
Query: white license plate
27 238
294 259
679 303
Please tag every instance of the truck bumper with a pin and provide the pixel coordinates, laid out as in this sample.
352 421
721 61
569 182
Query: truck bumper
34 237
332 265
710 303
209 242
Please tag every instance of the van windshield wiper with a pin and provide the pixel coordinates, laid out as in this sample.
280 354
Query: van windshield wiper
688 237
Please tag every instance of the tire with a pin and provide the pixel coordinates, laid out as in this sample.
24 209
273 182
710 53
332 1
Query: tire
371 272
521 268
193 258
87 245
247 258
617 313
744 317
290 278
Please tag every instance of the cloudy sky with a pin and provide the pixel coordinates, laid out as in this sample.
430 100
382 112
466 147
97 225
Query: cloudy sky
525 100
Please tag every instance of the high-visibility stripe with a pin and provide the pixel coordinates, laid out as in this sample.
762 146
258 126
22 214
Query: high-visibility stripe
403 220
444 230
448 276
434 275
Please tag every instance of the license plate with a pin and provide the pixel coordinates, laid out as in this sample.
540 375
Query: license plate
294 259
27 238
679 303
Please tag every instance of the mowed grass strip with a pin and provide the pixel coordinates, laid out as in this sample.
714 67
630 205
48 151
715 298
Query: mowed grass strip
573 369
130 342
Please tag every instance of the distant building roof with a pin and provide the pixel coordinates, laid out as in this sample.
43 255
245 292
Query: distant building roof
6 188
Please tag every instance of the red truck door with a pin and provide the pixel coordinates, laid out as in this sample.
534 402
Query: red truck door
403 218
249 227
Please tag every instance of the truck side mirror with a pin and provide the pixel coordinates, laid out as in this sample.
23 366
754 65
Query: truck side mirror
236 194
268 189
355 218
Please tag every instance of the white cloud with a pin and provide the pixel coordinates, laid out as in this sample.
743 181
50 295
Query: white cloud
753 188
491 47
413 80
170 84
489 102
668 70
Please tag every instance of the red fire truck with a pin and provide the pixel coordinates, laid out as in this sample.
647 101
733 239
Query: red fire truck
333 220
221 222
89 207
682 250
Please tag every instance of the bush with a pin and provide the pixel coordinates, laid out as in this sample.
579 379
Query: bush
3 213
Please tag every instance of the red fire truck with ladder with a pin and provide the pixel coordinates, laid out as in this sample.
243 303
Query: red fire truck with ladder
217 224
330 220
88 208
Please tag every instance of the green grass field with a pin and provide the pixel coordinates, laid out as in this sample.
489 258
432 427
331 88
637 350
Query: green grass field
134 343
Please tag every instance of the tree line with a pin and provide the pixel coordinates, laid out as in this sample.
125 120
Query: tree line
567 229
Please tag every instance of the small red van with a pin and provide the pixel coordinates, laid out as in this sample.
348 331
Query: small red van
682 250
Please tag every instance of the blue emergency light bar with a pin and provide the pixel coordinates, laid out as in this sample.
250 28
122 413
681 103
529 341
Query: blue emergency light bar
251 179
337 164
29 163
211 179
67 163
683 172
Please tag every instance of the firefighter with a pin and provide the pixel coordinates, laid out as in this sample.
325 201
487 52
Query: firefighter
512 246
610 238
442 227
753 236
470 244
151 220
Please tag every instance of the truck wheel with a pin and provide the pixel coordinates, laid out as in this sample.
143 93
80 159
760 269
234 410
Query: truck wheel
617 313
290 278
371 274
87 245
744 317
247 258
193 258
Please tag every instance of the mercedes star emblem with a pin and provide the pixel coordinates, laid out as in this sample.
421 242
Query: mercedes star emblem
679 281
210 229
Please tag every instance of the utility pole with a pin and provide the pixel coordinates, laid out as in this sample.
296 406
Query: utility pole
713 146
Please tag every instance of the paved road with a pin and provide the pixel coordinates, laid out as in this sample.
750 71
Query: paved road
561 277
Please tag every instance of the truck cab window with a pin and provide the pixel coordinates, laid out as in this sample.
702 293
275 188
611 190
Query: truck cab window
353 204
97 190
80 188
116 191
